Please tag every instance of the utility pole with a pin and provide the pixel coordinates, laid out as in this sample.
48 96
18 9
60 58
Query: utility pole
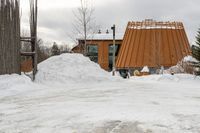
113 68
35 45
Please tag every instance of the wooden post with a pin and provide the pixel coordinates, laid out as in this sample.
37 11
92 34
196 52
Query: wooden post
33 38
113 71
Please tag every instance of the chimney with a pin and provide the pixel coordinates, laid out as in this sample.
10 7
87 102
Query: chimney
107 32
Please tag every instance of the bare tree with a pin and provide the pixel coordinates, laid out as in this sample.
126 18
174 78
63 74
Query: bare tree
64 48
84 21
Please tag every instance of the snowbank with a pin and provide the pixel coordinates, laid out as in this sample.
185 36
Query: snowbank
13 79
70 68
189 59
139 104
14 84
8 81
183 66
175 69
168 78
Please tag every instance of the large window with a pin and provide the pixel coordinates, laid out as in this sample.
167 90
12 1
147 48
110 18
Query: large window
117 47
92 52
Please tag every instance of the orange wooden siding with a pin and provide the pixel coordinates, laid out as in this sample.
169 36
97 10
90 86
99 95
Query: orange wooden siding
103 54
103 51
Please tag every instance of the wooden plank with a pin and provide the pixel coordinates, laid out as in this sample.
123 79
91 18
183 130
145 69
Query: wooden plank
9 37
27 53
25 40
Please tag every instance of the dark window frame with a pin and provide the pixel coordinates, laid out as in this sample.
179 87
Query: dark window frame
110 54
93 55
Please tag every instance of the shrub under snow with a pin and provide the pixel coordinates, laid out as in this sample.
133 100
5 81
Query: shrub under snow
184 66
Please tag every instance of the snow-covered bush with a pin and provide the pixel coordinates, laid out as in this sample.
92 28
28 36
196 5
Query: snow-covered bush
183 66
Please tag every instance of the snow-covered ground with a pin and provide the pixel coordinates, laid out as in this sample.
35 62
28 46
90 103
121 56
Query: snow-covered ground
73 95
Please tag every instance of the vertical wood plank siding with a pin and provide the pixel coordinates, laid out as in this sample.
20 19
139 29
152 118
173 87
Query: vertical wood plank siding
9 37
153 44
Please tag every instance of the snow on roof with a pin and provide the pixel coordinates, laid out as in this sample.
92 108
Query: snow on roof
152 24
154 27
145 69
118 36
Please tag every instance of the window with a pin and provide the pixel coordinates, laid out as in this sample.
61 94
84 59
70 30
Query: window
92 52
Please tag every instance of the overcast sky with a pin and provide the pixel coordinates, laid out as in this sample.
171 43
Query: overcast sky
56 16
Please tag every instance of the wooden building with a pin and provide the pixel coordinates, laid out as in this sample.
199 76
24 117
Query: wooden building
147 43
26 65
153 44
9 37
100 48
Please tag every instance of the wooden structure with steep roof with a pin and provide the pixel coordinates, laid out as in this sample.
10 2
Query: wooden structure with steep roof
153 44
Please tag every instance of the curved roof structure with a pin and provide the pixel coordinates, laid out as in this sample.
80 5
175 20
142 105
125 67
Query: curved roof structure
153 44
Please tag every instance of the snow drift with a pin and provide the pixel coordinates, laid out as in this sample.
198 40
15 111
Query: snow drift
148 104
183 78
14 84
70 68
183 66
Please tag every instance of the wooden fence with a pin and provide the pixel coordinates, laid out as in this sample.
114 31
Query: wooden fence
9 37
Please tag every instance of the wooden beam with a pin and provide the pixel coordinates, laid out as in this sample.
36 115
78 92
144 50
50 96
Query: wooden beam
27 53
27 38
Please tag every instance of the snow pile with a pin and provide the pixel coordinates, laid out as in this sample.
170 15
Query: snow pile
183 66
189 59
167 78
175 69
128 106
70 68
145 69
9 81
14 84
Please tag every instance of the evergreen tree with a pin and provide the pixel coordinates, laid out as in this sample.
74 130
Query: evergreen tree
55 50
196 51
42 54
